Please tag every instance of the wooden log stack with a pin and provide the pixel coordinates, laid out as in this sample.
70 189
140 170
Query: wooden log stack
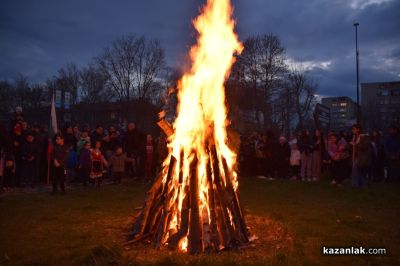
221 227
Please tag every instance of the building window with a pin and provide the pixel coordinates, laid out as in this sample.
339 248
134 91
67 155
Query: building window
334 104
343 104
384 101
342 110
385 92
396 92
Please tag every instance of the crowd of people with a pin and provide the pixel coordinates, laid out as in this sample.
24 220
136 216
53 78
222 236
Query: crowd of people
361 157
85 156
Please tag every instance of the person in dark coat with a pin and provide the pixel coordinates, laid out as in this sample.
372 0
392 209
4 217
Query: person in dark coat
29 155
59 160
17 140
134 147
85 163
270 150
7 166
282 158
97 135
362 156
392 149
70 138
305 147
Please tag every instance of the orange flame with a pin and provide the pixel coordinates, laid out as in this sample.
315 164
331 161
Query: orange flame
202 115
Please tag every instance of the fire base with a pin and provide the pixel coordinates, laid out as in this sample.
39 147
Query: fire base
221 227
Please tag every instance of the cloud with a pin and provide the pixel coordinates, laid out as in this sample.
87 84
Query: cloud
308 65
39 37
361 4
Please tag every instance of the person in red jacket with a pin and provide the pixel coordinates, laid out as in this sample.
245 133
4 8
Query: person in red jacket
98 163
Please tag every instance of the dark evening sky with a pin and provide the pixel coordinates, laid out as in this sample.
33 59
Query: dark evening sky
39 37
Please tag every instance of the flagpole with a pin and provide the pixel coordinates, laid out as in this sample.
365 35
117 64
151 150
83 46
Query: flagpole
53 129
48 166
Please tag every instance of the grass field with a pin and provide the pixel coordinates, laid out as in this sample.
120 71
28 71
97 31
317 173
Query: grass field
292 221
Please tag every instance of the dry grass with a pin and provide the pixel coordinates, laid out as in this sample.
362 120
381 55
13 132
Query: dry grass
292 221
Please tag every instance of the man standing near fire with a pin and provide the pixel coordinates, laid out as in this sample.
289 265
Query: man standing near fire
59 159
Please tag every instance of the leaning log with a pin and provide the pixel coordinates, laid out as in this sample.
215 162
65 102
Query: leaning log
194 237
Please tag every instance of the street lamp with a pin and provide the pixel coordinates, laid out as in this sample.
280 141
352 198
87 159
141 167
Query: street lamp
358 77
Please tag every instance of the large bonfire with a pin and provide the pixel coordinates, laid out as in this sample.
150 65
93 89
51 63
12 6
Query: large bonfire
193 205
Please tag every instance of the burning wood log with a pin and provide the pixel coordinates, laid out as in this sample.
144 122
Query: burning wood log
194 240
193 206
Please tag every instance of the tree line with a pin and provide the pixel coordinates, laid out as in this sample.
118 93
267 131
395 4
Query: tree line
131 67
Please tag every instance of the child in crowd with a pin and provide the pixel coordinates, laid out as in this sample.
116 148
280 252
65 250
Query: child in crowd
8 173
117 164
295 158
85 163
72 163
82 141
98 163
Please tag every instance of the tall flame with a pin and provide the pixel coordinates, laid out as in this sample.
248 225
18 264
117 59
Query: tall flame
202 115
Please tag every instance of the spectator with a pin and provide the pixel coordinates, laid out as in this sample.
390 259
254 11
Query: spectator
72 163
70 139
98 163
149 158
7 165
77 133
97 135
82 141
18 117
85 163
117 164
247 156
305 147
292 139
17 141
270 151
347 161
282 158
132 144
162 151
316 155
260 156
295 158
338 153
392 148
30 153
59 159
42 140
361 156
379 151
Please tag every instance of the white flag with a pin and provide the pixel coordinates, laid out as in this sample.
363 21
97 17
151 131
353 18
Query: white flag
53 118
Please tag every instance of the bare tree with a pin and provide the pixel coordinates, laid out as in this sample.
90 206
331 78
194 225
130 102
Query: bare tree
261 68
24 94
21 85
37 97
68 80
272 70
148 64
93 86
131 66
302 89
7 97
284 111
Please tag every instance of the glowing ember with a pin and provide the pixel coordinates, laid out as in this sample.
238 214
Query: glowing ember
193 205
